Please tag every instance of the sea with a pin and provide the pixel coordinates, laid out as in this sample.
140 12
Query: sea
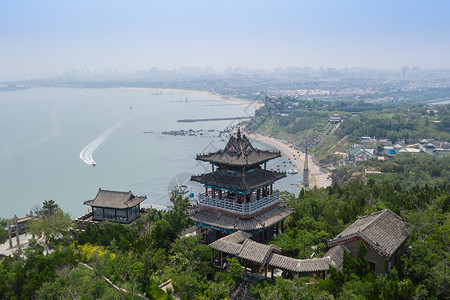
50 138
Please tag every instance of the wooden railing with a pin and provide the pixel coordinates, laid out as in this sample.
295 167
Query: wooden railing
240 208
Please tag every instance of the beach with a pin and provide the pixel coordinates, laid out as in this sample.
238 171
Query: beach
318 177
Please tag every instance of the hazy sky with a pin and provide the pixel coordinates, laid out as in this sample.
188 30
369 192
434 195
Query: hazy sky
48 37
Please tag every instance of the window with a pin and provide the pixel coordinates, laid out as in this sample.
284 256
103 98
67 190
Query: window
372 266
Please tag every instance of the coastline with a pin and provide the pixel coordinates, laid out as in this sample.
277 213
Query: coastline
320 179
224 97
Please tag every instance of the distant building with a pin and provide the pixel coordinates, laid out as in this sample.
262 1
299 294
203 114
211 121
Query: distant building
424 146
121 207
359 153
335 119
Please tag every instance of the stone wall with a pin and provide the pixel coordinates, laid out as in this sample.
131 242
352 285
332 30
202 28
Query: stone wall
372 256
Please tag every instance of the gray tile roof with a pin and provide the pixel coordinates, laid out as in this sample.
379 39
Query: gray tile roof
220 220
384 231
239 152
237 237
336 254
115 199
246 249
226 246
248 181
256 252
300 265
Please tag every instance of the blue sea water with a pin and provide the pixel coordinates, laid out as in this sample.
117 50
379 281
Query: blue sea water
49 137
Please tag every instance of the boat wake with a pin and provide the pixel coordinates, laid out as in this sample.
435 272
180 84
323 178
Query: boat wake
86 153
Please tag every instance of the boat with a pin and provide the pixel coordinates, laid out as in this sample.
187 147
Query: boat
178 190
93 163
293 171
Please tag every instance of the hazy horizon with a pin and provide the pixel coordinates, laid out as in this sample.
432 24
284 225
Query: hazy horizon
46 38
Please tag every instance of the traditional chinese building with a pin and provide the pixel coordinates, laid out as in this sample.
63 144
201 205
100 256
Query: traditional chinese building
122 207
383 233
239 193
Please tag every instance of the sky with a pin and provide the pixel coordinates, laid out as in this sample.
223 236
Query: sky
45 38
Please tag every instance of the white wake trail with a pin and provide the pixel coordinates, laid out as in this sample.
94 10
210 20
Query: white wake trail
86 153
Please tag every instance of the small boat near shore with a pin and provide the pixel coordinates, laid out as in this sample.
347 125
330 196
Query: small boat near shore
93 163
293 171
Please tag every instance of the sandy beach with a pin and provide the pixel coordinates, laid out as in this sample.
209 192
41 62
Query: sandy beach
318 178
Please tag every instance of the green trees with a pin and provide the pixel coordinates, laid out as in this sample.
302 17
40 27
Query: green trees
3 231
408 121
52 222
23 274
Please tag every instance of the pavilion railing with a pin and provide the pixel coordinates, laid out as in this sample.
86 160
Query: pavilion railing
240 208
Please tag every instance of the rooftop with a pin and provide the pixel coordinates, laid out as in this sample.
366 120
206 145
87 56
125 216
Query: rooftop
115 199
384 231
239 152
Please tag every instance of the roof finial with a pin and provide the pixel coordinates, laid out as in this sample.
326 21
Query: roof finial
239 133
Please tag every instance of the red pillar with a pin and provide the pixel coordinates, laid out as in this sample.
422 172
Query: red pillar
265 166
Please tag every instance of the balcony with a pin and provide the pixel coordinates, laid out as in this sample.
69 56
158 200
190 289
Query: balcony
229 205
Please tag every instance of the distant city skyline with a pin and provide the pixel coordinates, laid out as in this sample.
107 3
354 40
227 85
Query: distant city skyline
47 38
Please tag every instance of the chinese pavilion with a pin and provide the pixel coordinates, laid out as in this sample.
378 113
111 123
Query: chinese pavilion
239 193
122 207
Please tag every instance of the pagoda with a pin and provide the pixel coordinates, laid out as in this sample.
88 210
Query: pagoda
239 193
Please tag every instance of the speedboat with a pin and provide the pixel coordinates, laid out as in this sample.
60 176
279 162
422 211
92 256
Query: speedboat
93 163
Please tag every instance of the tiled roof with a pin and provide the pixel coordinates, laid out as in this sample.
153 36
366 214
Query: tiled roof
226 246
115 199
256 252
384 231
220 220
336 254
237 237
239 152
246 249
300 265
247 181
